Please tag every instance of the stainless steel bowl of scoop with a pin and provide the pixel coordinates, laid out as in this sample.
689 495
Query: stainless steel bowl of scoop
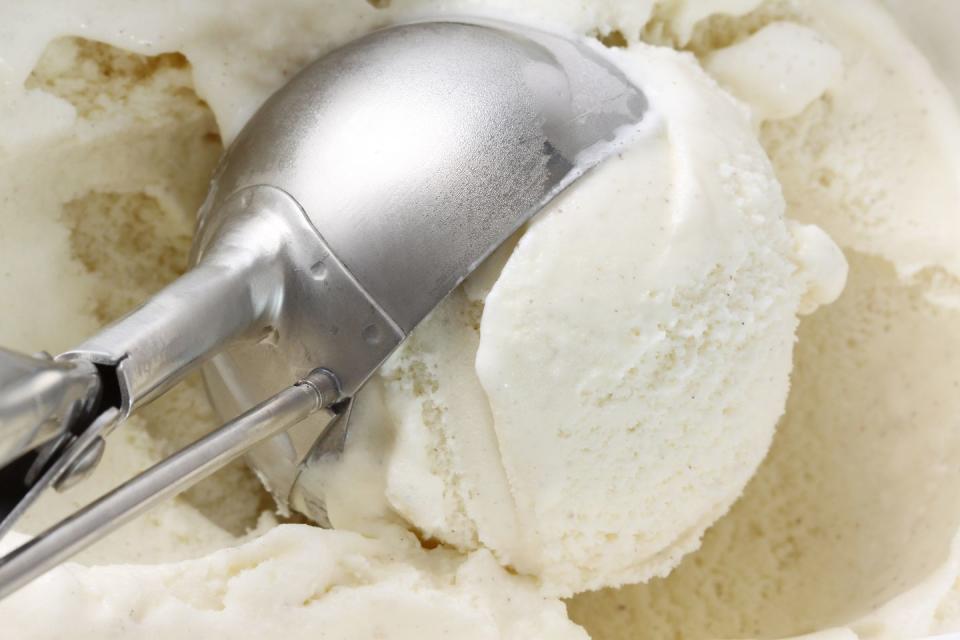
358 196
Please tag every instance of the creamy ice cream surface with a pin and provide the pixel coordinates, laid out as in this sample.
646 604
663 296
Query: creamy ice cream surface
595 397
293 582
588 408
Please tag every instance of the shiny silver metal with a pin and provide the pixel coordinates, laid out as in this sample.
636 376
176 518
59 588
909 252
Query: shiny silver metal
164 480
352 203
37 396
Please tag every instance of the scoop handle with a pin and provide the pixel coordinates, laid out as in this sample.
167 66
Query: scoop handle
228 295
37 396
167 478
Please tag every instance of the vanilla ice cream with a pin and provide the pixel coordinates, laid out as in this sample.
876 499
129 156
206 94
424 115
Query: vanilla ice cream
293 583
588 408
595 397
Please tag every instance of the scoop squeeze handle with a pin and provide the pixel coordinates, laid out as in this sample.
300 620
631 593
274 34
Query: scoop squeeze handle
37 396
166 479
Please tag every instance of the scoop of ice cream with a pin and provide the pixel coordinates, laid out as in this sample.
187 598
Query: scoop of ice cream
601 393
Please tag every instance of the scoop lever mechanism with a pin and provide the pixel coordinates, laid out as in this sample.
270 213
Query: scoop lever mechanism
41 401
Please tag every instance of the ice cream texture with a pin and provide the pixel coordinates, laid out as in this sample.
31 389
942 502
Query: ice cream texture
589 404
595 397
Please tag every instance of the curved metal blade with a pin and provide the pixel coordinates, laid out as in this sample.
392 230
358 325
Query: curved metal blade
417 150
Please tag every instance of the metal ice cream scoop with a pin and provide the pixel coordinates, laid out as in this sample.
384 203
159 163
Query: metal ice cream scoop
352 203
